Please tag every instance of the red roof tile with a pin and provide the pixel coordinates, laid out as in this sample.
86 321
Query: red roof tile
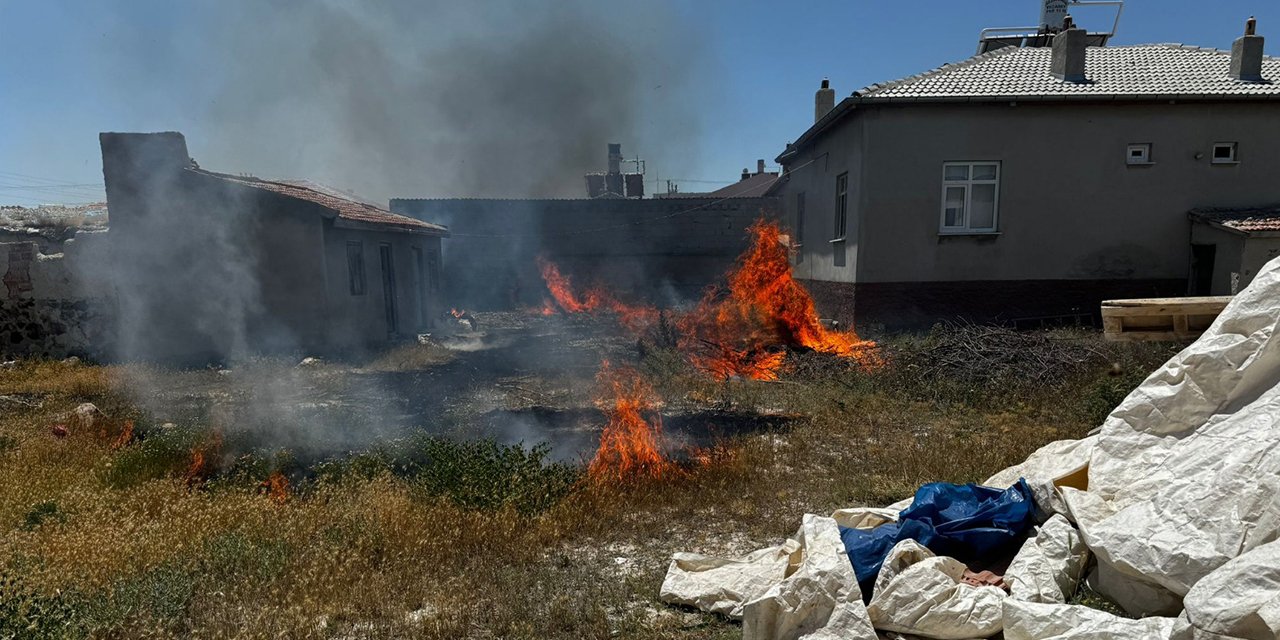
1248 220
345 206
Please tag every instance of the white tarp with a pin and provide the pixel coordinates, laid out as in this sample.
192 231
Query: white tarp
1177 496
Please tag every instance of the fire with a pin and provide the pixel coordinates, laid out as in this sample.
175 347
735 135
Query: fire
457 313
738 331
630 445
125 436
743 329
203 460
275 487
548 309
593 300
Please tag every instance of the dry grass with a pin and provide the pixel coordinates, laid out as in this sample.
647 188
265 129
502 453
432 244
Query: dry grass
368 552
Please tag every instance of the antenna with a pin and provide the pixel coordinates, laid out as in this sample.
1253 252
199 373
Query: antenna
1053 13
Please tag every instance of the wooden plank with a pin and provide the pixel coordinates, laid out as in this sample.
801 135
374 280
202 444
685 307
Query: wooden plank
1180 326
1199 308
1152 336
1138 302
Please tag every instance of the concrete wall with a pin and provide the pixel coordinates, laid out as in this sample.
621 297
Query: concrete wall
1070 208
359 320
814 175
663 250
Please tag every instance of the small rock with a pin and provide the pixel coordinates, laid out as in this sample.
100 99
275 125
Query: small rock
85 416
8 364
58 431
310 362
72 361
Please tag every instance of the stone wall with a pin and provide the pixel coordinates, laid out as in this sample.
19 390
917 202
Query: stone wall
55 305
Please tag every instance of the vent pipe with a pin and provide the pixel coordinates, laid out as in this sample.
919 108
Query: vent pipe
824 100
1246 54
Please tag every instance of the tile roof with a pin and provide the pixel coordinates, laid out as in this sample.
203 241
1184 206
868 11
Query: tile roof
1147 70
1137 72
753 187
1245 220
344 206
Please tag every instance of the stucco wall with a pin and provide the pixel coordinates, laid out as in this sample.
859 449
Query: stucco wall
359 321
1227 257
1070 208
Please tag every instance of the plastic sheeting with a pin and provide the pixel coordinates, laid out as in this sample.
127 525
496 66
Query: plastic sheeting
1177 497
965 521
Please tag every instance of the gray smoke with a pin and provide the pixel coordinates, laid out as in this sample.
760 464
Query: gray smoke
444 99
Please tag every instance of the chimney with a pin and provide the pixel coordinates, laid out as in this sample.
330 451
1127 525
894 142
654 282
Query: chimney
824 100
745 174
138 168
1246 54
615 157
760 166
1068 53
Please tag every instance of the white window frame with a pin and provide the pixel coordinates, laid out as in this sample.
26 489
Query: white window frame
966 229
1144 158
1235 153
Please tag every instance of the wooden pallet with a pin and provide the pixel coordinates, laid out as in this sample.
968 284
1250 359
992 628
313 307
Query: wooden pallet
1160 318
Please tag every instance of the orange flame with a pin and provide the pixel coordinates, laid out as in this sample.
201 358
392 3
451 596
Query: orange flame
457 313
744 329
630 446
593 300
275 487
202 460
736 332
125 436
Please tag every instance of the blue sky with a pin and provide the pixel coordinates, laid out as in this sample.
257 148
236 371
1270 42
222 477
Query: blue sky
750 75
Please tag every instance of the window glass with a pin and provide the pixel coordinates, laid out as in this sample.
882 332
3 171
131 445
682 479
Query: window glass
984 172
982 203
954 207
956 172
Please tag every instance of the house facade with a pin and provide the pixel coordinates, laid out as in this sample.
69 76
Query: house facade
209 266
1028 184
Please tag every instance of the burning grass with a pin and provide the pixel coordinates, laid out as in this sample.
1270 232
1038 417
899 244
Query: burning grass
425 537
744 329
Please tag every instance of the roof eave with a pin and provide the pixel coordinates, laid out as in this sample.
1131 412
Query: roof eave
823 123
347 223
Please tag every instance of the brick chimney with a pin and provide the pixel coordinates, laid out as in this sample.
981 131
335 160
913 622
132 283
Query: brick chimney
1246 54
745 174
1068 53
824 100
760 166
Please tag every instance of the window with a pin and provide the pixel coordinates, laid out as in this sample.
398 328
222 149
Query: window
970 197
799 239
355 268
842 205
1224 153
1139 153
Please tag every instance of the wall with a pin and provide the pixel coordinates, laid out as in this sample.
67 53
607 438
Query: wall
663 250
46 310
1070 208
814 173
359 321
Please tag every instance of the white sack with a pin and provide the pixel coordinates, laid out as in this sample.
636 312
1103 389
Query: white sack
1037 621
1241 600
1049 565
1185 474
922 594
820 600
1055 460
722 585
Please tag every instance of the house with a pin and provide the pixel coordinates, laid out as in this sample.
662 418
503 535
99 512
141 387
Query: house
1031 183
210 265
1230 246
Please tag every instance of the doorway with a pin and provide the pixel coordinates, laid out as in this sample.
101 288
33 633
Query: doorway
389 289
1200 278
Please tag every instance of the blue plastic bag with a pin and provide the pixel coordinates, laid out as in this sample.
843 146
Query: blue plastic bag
970 523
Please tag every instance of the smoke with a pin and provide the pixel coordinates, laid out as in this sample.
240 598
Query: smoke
443 99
